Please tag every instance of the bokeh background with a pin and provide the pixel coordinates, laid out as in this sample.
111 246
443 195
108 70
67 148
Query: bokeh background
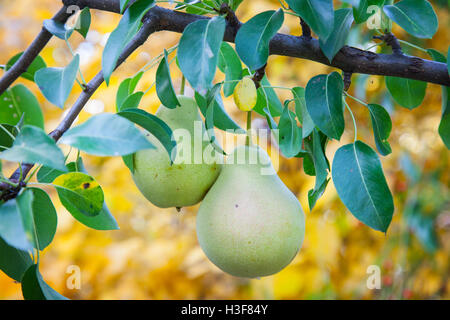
155 254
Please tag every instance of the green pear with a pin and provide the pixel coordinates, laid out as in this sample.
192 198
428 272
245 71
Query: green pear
185 182
250 224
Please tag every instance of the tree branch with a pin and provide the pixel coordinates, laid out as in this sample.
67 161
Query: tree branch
149 27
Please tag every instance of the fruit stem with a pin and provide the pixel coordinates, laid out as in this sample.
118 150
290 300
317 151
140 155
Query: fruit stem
183 84
249 127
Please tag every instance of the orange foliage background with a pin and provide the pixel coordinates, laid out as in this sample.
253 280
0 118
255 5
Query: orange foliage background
155 254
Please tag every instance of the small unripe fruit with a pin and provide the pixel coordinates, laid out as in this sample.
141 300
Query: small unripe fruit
245 94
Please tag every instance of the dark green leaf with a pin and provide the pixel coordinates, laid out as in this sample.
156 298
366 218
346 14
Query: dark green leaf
318 14
123 34
84 22
19 102
7 132
164 86
324 104
361 185
37 64
35 288
290 135
416 17
106 134
314 195
79 192
320 163
302 112
45 218
444 126
132 101
343 20
158 128
198 51
253 38
56 83
32 145
230 64
209 117
382 126
406 92
25 207
13 262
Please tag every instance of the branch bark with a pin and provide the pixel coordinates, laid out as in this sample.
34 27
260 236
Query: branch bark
149 27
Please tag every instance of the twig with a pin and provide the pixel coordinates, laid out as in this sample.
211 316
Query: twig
347 80
147 29
259 75
306 30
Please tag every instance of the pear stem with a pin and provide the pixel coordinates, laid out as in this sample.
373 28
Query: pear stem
183 84
249 127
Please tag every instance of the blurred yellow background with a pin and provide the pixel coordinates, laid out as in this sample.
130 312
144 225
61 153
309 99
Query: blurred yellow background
155 254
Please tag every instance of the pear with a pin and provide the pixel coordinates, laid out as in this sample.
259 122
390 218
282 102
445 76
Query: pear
250 224
183 183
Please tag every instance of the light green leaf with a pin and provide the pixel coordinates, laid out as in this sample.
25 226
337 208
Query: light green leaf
128 27
12 228
13 262
106 134
302 112
290 135
198 51
79 192
33 145
56 83
230 64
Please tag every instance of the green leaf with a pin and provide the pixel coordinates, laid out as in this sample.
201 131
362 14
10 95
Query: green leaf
302 112
123 5
158 128
209 117
320 164
164 86
128 27
102 221
48 175
361 185
79 192
444 125
196 6
314 195
222 119
33 145
267 98
198 51
323 96
37 64
406 92
7 132
423 228
56 83
230 64
25 208
290 135
12 228
58 29
126 89
35 288
318 14
416 17
343 20
18 102
360 9
106 134
13 262
253 38
84 22
45 217
382 126
132 101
